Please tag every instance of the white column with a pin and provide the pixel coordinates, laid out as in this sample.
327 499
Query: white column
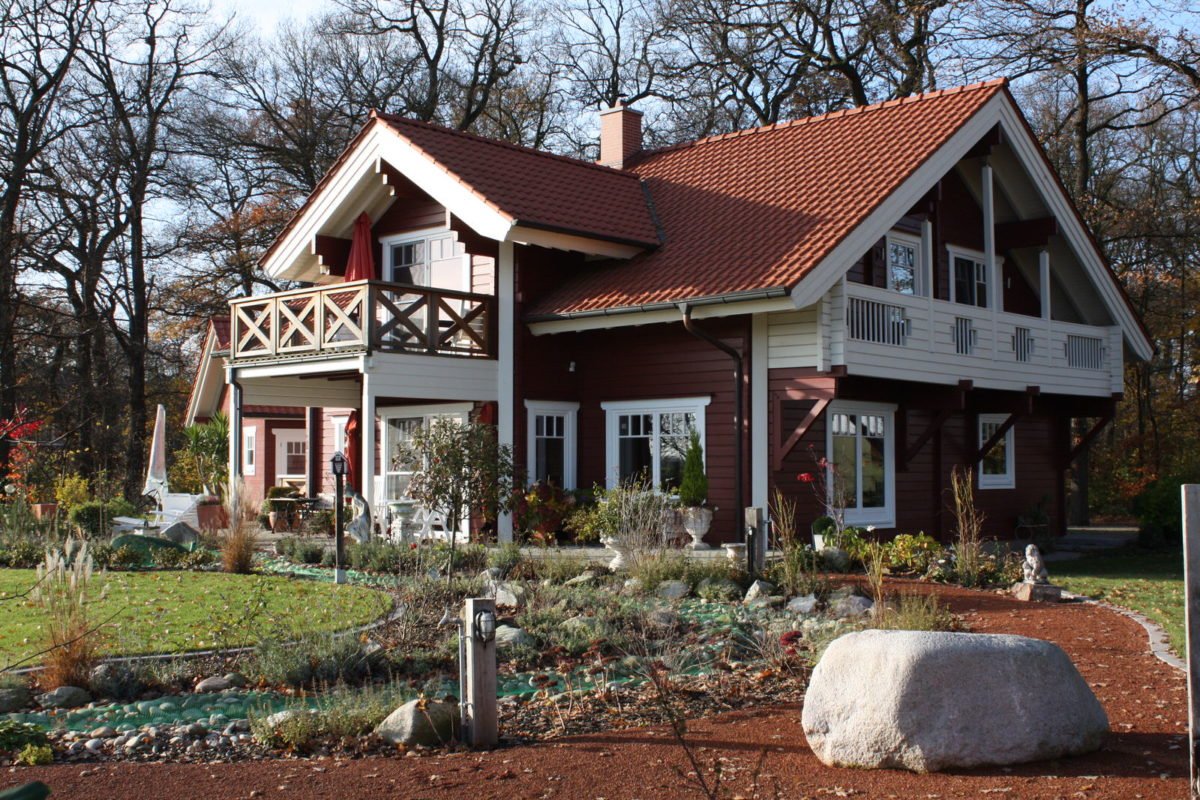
1044 288
995 287
235 426
366 427
506 366
760 418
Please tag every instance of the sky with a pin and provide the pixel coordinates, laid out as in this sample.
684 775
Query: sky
265 15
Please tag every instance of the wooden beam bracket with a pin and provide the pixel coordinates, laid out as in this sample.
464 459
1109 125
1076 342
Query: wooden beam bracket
907 454
1087 439
814 413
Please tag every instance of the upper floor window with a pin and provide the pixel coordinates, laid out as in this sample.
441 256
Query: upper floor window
903 264
970 284
426 258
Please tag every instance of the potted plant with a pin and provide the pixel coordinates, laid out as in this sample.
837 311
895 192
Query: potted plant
211 514
693 493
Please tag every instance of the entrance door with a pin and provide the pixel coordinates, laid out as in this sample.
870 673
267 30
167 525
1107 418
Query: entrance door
291 458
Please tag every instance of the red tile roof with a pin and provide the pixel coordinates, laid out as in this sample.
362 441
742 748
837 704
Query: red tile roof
538 189
757 209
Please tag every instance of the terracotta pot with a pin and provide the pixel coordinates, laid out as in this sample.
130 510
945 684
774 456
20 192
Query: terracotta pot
44 512
212 517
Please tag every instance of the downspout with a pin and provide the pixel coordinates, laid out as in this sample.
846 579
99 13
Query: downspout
235 432
739 412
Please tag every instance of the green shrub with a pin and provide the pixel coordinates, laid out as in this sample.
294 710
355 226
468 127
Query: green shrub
35 755
17 735
1160 512
94 518
915 612
908 553
505 558
21 553
70 491
339 713
198 559
693 485
300 551
314 661
795 571
656 567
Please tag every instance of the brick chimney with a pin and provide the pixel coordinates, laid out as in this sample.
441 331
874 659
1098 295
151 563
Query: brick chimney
620 135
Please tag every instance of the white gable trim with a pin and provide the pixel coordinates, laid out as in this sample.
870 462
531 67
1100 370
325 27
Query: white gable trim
205 383
357 176
999 110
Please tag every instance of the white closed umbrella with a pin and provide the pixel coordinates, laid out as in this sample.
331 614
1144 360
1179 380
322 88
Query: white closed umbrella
156 470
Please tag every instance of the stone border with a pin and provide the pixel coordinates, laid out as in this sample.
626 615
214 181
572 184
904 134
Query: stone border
1158 637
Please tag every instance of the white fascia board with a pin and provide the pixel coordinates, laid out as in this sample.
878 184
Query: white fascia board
205 384
567 241
295 369
294 250
1070 227
598 322
831 268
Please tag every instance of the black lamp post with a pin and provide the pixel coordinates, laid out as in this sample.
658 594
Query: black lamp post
337 465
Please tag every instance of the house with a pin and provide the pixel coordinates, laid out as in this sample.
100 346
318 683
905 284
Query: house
902 288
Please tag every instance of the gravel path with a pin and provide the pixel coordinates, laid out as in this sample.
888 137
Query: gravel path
762 752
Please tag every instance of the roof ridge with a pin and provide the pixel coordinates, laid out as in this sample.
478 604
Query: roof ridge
520 148
842 112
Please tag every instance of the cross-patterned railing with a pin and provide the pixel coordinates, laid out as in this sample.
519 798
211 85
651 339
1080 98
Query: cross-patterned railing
362 316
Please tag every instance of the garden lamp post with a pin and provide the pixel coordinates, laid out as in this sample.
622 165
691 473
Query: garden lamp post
337 465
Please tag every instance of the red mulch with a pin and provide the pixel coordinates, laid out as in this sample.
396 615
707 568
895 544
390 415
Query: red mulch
1145 755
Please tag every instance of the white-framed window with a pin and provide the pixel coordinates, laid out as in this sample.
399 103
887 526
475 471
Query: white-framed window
551 442
997 469
903 256
970 284
650 438
248 450
399 424
338 424
428 257
860 446
291 454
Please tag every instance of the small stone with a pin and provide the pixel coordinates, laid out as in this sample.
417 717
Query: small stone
759 588
673 590
632 585
419 722
803 605
215 683
196 729
236 680
64 697
176 741
853 606
835 559
582 579
14 698
511 595
230 729
104 732
243 725
1037 592
511 636
583 621
94 745
120 741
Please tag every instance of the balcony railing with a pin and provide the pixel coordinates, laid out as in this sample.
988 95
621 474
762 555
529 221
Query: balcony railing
362 316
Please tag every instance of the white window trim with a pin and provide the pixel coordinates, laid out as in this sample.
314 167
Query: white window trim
249 450
613 409
339 424
1009 479
420 235
908 240
981 258
568 410
880 517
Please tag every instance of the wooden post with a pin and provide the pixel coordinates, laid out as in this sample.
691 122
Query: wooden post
481 725
1190 495
756 540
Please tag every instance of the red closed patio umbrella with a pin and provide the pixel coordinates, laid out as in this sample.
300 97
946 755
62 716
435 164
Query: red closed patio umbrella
360 264
353 451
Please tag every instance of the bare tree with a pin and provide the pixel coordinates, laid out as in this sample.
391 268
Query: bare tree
40 40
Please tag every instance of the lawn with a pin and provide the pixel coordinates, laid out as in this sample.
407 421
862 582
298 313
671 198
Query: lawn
1147 581
154 612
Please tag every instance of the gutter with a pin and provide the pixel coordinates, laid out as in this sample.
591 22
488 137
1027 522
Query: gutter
739 412
711 300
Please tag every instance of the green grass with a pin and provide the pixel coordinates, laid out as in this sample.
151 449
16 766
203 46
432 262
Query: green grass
1147 581
153 612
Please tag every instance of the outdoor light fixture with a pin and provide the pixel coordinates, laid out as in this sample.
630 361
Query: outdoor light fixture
485 626
337 464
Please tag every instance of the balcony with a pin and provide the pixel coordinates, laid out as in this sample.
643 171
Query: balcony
888 334
362 317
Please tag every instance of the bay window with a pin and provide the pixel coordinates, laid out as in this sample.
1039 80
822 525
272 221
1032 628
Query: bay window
860 447
648 439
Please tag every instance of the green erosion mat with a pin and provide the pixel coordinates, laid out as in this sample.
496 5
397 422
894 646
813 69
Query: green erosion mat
157 612
1149 582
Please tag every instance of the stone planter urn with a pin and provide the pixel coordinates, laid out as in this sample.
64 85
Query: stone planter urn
620 552
696 521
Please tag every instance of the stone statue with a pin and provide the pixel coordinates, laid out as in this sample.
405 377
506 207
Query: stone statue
1034 568
360 525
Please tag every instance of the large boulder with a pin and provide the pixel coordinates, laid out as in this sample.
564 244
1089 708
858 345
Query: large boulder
420 722
929 701
64 697
14 698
